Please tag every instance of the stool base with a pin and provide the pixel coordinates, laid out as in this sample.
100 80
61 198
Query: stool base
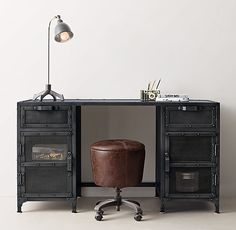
118 201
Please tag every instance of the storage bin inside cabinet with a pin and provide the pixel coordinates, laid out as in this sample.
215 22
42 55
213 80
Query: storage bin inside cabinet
190 180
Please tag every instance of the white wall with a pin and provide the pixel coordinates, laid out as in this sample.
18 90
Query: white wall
118 47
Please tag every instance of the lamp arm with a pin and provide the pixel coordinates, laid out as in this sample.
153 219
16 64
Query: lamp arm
49 27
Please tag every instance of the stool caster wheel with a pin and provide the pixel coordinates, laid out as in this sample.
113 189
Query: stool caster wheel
138 217
98 202
99 216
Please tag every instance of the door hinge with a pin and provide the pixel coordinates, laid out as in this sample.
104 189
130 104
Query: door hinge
21 178
69 118
69 162
20 149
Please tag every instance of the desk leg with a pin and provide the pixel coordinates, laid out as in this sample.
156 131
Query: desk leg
217 206
162 209
74 205
19 207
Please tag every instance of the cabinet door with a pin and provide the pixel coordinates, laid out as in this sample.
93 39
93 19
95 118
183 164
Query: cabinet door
190 182
191 146
45 146
45 180
46 164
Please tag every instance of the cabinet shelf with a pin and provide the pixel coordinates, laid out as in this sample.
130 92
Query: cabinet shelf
192 196
192 164
43 163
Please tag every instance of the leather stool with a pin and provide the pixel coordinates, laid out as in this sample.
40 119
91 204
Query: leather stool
118 164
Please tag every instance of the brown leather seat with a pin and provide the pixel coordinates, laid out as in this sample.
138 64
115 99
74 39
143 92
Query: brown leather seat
118 164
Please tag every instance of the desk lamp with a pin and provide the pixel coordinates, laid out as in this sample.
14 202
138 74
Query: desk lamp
62 34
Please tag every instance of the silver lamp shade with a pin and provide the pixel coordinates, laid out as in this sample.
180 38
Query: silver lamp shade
62 32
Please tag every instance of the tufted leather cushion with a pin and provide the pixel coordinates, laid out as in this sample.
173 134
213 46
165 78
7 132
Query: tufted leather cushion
117 163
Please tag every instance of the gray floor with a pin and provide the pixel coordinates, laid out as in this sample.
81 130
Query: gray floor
57 215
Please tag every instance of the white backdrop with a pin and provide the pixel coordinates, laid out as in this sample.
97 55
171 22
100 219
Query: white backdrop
118 47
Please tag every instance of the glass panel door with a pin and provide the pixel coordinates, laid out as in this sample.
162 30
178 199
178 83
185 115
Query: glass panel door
46 146
49 152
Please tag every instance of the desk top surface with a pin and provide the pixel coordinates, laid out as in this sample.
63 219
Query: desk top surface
111 102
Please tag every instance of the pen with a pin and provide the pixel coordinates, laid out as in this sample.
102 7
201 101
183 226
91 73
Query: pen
158 84
153 84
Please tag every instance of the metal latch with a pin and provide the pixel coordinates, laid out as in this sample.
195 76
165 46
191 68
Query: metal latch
215 149
20 150
167 162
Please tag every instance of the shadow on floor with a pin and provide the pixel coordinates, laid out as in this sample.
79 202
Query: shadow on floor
150 206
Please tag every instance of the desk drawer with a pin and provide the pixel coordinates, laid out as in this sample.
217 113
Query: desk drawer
190 116
45 116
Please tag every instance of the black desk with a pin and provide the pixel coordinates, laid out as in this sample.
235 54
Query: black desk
49 149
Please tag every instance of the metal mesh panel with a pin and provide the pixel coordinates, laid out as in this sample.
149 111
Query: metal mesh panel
190 148
46 180
46 117
188 117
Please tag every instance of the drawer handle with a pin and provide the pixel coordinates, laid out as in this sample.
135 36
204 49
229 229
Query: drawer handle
188 108
44 108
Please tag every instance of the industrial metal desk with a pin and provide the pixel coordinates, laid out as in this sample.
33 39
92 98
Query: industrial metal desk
49 149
